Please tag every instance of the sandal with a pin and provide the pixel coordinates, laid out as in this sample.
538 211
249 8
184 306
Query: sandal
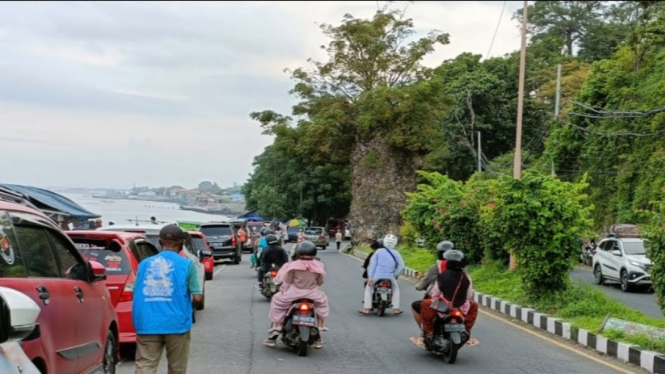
472 342
324 328
418 341
318 344
397 312
270 342
363 312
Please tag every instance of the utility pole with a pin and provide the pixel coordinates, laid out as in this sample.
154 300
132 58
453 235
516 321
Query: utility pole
479 155
557 101
517 168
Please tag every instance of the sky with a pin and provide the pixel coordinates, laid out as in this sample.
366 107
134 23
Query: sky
112 94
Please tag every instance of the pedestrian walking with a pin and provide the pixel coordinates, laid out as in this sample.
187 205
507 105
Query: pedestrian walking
166 290
338 238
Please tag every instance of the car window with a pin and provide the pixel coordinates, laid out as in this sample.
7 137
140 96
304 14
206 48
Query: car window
154 239
606 245
633 248
189 245
108 253
11 261
313 231
199 243
210 231
37 252
70 266
145 249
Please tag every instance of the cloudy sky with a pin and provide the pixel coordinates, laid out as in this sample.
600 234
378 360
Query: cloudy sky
108 94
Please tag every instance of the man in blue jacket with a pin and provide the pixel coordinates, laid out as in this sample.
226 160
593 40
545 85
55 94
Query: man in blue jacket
166 290
386 263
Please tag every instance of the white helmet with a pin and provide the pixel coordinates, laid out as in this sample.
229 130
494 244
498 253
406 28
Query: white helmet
390 241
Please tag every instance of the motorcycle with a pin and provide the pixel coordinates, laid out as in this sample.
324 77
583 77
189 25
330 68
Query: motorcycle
382 297
269 286
300 327
449 332
587 256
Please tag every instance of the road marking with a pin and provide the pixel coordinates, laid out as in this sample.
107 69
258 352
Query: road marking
534 333
218 270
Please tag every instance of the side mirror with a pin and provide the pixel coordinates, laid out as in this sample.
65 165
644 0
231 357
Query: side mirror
18 315
617 253
98 271
204 253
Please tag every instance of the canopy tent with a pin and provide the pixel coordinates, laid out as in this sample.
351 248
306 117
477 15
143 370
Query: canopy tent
251 216
51 202
296 222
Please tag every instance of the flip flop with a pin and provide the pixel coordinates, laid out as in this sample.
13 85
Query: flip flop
270 343
472 342
398 312
418 342
324 329
363 312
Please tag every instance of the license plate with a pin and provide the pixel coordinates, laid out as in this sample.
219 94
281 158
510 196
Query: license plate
304 321
384 290
454 327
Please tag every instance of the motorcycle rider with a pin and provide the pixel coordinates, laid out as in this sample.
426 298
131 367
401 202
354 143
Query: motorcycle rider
301 280
274 254
386 263
453 286
439 267
376 244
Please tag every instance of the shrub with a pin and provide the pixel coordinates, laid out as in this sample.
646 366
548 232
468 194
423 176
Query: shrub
654 235
541 219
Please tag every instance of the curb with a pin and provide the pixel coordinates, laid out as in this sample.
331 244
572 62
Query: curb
653 362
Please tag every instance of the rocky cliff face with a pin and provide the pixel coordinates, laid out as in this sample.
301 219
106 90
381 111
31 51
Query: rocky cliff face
379 179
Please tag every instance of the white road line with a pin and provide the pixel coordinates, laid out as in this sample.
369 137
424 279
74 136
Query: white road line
218 270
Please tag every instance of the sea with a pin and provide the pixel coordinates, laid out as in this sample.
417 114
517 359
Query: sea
128 211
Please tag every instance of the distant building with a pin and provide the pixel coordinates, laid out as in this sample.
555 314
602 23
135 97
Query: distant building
147 193
237 197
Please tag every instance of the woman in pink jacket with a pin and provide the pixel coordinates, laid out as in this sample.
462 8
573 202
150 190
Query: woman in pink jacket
300 280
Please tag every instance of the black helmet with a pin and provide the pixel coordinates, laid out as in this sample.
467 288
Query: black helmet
271 239
306 248
264 231
380 242
455 259
375 245
442 247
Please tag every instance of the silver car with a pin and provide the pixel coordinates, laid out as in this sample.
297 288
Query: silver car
18 318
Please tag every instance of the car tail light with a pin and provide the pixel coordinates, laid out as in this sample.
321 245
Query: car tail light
273 273
321 237
304 308
385 284
128 292
456 313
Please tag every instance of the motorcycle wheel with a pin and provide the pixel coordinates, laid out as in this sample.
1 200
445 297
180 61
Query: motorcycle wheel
450 356
382 309
302 349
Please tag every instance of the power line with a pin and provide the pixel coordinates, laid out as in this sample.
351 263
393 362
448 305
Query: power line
625 133
496 30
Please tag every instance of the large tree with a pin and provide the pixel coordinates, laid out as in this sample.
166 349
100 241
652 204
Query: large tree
371 104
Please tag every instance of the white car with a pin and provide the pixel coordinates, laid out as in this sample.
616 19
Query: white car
151 233
18 318
622 260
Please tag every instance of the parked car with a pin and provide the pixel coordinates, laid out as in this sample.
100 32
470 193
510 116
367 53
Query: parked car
18 319
77 330
292 233
622 260
120 253
318 236
222 240
200 243
151 232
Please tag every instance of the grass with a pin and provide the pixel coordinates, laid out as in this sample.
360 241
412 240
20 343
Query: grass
414 258
582 305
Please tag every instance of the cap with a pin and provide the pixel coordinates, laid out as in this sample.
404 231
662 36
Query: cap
171 232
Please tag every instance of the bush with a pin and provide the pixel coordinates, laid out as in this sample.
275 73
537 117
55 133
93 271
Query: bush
541 219
654 235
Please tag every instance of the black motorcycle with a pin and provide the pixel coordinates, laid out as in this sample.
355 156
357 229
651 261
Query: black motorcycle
382 298
449 332
269 286
300 327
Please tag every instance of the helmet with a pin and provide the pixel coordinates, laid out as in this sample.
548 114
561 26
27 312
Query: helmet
271 239
264 231
455 259
375 245
442 247
380 242
306 248
390 241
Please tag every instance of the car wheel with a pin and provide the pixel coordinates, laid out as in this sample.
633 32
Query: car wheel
209 276
598 275
625 286
110 359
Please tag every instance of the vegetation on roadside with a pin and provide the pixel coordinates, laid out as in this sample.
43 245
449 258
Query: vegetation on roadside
654 234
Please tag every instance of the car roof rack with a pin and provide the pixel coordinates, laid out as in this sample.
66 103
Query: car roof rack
625 231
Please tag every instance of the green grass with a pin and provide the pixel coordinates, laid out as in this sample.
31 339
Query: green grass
414 258
582 305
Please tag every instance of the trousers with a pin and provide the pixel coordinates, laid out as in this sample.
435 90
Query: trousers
149 349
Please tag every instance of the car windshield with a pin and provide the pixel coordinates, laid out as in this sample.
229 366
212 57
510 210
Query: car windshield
210 231
199 244
313 231
111 256
633 248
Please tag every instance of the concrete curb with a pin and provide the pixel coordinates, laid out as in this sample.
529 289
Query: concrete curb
651 361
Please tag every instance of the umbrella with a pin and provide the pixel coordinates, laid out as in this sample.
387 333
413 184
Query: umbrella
297 222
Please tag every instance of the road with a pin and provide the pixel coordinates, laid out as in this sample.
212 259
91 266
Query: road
228 336
639 299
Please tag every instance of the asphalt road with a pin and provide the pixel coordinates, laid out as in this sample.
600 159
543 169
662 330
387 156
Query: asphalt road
228 335
640 299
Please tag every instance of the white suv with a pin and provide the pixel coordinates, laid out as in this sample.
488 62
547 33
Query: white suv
622 260
18 318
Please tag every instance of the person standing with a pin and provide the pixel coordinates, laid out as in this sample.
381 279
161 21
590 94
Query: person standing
166 290
338 239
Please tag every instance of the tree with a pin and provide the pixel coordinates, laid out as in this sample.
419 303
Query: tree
270 203
371 105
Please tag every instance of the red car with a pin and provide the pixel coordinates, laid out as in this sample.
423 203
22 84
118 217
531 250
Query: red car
201 244
120 253
77 329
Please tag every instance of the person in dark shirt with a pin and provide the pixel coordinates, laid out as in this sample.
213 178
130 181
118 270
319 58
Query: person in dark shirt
274 254
376 244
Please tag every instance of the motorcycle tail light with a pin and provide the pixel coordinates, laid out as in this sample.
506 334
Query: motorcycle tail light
304 308
273 273
385 285
456 313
